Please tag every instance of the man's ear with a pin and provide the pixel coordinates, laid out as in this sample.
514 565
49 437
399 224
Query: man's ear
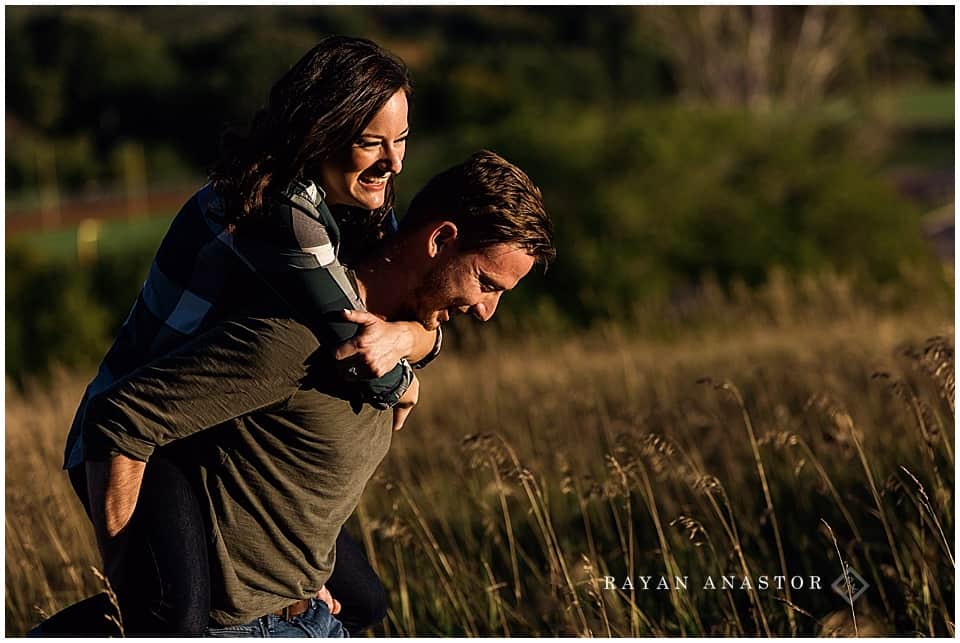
443 236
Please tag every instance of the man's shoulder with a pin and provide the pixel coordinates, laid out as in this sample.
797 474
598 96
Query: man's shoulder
269 348
289 329
280 333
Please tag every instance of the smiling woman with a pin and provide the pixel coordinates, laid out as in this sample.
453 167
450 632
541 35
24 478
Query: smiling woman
361 176
332 134
339 111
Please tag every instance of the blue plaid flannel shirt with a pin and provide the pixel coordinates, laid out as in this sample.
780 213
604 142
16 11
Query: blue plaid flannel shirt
197 278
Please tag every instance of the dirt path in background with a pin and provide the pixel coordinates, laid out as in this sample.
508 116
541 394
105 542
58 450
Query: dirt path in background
71 213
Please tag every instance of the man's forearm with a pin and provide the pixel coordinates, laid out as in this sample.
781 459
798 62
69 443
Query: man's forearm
113 487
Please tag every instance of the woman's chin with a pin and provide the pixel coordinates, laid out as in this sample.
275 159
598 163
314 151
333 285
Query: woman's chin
369 202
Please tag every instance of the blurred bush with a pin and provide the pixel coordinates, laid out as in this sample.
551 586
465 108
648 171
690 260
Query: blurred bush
650 200
60 313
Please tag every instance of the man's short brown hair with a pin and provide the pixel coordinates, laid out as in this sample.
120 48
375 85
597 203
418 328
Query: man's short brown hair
491 201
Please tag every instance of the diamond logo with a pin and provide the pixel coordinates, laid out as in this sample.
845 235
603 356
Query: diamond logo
850 585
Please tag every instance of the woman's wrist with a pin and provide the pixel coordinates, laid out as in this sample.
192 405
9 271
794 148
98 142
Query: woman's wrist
437 337
409 339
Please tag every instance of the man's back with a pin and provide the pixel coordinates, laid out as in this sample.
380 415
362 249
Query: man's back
280 465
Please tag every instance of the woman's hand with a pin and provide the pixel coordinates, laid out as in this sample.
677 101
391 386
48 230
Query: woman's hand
333 604
409 400
378 346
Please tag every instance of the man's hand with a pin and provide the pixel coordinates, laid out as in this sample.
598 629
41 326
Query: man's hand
113 487
409 400
378 346
332 603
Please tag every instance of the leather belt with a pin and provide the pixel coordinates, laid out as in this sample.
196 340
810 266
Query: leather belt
293 609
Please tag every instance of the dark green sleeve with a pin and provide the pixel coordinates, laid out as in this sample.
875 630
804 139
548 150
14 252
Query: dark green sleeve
294 251
234 369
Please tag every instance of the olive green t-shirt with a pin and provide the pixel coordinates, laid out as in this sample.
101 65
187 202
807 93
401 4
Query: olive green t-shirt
278 464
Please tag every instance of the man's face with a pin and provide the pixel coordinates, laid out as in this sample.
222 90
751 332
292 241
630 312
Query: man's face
469 282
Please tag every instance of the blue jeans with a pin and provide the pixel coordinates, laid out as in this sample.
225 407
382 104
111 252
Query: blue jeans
316 623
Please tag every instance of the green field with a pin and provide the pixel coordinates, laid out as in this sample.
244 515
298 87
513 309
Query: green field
99 236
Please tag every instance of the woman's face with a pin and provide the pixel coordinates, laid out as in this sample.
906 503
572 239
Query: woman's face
359 176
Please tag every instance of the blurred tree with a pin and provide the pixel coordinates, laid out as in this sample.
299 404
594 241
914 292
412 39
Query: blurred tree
104 66
757 55
174 76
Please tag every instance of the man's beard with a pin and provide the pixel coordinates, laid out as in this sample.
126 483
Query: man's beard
430 297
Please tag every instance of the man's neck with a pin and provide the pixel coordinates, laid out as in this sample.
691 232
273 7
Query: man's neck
382 283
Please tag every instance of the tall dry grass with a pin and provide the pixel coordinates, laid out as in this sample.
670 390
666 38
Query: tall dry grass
517 492
51 553
529 473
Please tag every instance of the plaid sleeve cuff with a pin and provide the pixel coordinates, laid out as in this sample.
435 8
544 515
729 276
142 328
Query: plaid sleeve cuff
389 399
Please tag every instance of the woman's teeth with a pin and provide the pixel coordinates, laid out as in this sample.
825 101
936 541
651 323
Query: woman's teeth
374 180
